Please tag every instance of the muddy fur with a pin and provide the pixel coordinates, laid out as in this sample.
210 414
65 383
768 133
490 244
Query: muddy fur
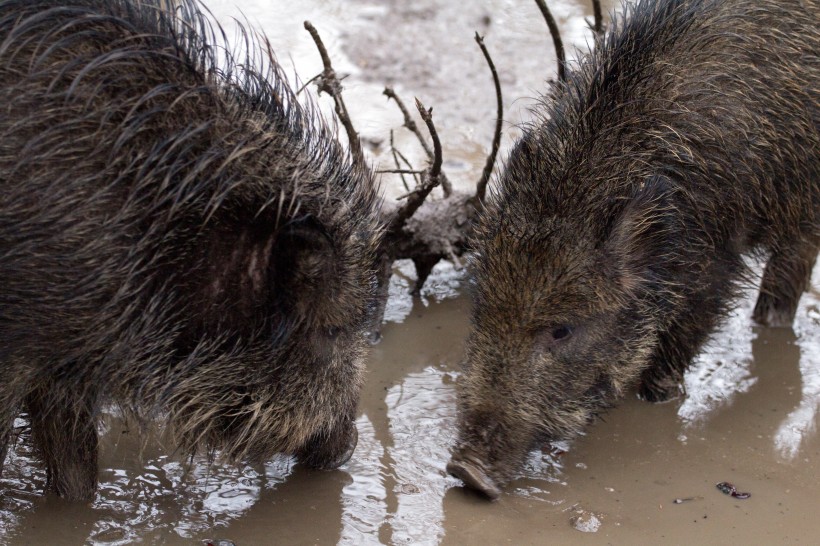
613 243
178 236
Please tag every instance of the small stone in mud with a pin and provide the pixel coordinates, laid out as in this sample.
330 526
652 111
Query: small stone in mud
114 534
409 489
729 489
218 542
585 521
685 499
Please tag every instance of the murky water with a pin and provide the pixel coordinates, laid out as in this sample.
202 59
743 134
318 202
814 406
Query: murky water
749 416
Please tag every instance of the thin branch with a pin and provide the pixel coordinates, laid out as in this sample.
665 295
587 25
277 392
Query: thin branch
310 81
413 128
429 180
556 37
481 187
596 10
396 161
328 82
427 116
401 171
409 166
408 121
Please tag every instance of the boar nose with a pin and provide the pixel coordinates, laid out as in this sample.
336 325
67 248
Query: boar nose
345 454
327 452
471 471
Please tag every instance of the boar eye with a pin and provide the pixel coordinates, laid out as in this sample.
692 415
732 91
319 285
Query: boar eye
552 338
333 332
561 332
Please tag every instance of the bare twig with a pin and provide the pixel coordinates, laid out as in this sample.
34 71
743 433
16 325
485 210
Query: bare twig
395 154
596 10
328 82
427 116
429 180
481 187
409 166
556 38
310 81
410 124
400 171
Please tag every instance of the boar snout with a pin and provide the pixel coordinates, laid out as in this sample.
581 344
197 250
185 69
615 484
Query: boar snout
471 471
330 451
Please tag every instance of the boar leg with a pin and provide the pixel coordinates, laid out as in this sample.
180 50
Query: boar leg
64 433
785 278
680 341
6 423
663 379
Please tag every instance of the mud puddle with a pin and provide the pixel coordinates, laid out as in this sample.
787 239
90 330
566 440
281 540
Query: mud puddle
749 417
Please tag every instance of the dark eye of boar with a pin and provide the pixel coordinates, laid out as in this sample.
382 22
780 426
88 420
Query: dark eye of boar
333 332
561 332
553 337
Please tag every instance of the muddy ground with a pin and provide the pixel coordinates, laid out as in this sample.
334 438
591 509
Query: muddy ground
749 417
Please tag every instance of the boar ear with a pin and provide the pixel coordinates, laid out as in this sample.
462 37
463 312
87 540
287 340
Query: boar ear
302 262
641 242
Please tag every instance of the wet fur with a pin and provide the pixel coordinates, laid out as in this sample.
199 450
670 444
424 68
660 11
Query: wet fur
688 138
178 236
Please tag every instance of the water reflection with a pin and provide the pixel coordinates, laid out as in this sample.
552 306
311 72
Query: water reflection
421 412
741 354
722 370
800 423
364 500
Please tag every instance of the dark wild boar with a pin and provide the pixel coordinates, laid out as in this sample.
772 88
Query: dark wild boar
178 236
614 242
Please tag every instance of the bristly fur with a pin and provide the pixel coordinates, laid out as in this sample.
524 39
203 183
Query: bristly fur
178 235
613 243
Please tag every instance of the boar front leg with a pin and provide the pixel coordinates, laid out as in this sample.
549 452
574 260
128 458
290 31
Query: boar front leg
683 336
6 422
64 433
786 277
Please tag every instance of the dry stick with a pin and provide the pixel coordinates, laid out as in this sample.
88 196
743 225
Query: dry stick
328 82
409 166
481 187
413 128
596 10
429 180
310 81
396 160
408 121
400 171
556 37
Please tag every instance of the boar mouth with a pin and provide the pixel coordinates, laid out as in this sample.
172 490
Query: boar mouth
474 475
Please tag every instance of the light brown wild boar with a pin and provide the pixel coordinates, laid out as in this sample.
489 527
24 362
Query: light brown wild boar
614 243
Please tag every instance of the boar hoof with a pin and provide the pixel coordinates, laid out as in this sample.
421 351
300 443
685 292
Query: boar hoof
766 313
474 477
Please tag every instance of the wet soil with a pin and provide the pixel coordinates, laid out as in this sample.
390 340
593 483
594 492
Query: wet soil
749 416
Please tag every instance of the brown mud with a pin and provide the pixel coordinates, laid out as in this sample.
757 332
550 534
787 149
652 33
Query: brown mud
749 417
